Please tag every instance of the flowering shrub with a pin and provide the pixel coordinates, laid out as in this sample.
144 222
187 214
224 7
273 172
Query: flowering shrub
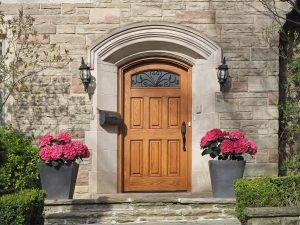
227 145
61 149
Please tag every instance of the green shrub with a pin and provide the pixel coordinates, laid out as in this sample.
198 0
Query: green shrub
293 165
23 208
19 167
266 191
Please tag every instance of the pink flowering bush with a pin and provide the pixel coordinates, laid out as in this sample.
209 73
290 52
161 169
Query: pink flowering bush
227 145
61 149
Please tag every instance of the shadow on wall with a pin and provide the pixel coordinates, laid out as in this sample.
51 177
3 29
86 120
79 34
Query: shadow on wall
92 87
46 104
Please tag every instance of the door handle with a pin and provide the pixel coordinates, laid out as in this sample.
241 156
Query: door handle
183 134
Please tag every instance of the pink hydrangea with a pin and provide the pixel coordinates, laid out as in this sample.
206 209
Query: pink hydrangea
45 140
241 146
69 152
236 135
253 147
210 136
56 151
81 149
45 153
61 148
227 146
64 137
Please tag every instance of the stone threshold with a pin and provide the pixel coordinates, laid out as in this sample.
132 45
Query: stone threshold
181 198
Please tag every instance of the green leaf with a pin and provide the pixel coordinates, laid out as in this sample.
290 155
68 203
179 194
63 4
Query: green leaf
206 151
213 155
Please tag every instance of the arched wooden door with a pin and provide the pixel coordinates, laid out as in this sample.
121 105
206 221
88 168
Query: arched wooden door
156 104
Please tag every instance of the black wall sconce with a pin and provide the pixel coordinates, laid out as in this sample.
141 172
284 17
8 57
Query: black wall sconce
85 74
223 74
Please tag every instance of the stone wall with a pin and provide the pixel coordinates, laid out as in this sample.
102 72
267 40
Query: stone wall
57 101
273 216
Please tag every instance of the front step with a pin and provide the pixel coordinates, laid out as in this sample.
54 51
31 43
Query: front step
148 209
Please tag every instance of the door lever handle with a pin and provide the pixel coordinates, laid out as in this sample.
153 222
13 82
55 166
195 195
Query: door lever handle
183 134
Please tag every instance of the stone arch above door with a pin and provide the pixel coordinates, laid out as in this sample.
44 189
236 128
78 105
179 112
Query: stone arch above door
142 40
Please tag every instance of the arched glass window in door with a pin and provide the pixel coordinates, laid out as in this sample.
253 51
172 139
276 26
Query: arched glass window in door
155 78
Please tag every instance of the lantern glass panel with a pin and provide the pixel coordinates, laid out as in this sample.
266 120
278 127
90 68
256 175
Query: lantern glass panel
85 74
222 74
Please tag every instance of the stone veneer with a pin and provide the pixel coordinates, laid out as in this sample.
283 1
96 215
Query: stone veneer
57 100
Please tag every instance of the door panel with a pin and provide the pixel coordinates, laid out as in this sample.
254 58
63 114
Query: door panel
174 112
136 157
155 112
155 105
137 113
173 157
155 154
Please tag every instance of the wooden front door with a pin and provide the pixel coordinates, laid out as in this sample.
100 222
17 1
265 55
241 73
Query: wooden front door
156 104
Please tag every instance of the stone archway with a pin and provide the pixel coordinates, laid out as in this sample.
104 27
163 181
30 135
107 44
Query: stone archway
149 40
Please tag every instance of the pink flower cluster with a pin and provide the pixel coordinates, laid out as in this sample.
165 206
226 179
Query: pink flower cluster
233 142
211 136
62 148
240 146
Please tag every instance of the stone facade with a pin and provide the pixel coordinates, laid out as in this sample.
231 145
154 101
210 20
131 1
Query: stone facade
58 102
273 216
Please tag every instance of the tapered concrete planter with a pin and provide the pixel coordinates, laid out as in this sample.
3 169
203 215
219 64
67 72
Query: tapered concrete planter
59 183
223 173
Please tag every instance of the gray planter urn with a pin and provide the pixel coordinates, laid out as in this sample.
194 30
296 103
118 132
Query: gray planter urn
59 183
223 173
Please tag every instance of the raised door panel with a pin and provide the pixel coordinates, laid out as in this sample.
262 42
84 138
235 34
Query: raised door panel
173 157
173 112
137 113
136 158
155 157
155 113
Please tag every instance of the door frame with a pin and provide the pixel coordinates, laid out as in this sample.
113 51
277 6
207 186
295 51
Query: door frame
120 149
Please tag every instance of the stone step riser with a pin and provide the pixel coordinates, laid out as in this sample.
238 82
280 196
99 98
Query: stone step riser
137 216
177 211
137 220
126 209
177 222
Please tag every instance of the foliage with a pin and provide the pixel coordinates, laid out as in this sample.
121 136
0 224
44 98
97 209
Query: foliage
292 107
293 164
266 191
25 54
226 145
23 208
56 151
19 169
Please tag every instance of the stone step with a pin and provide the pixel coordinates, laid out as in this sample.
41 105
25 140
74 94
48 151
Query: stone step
136 209
202 222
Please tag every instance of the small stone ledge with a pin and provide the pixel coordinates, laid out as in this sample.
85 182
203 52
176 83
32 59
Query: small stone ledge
262 212
116 200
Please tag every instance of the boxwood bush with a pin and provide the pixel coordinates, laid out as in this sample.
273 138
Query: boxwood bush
19 159
266 191
22 208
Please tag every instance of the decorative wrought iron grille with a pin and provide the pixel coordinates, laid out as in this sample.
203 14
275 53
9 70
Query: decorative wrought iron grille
155 78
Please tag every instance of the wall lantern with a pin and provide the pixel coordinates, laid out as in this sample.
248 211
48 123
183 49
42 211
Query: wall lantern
223 74
85 74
